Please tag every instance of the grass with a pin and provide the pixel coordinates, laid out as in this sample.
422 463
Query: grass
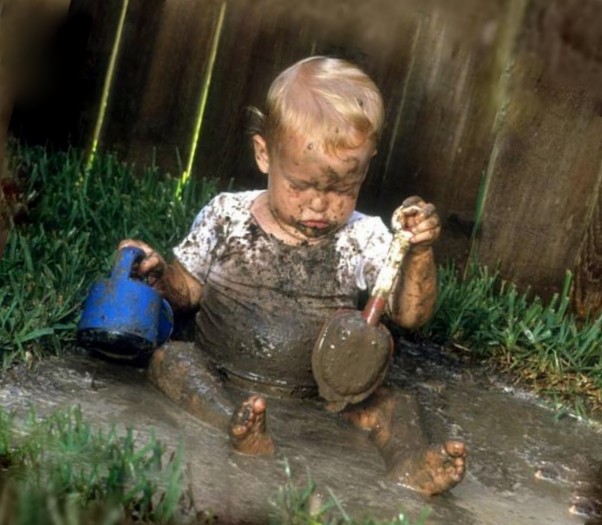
298 505
542 344
59 470
77 216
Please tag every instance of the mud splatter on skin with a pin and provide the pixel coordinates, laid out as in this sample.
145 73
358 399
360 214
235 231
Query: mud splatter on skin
331 176
331 180
345 184
326 231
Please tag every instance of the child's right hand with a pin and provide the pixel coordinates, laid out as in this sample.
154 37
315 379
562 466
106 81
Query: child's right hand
421 219
152 266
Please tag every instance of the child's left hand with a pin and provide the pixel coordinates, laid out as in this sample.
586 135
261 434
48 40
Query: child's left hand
422 220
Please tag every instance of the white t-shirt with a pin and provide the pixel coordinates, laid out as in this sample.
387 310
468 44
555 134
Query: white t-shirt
264 301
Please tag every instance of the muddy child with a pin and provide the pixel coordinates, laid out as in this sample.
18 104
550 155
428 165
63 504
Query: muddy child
265 269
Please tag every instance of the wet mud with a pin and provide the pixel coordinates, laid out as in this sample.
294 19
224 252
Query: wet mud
524 464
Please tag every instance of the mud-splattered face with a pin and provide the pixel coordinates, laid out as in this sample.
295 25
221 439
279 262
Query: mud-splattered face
311 192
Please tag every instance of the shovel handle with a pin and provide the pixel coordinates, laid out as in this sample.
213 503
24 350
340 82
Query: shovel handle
400 244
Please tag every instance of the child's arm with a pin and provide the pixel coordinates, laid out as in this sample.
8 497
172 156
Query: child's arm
171 280
413 299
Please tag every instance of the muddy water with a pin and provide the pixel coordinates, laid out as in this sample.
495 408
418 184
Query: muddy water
508 436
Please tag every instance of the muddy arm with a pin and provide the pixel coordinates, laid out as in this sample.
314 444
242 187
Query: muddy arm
179 287
412 302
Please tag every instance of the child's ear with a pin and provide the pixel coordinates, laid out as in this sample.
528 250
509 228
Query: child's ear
262 157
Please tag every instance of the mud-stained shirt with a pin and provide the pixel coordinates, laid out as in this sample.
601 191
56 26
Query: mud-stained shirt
264 301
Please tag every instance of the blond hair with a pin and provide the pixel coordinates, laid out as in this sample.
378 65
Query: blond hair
326 99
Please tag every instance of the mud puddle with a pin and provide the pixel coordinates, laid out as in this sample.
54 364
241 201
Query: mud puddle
508 437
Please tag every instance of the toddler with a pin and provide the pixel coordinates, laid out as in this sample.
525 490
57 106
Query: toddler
265 269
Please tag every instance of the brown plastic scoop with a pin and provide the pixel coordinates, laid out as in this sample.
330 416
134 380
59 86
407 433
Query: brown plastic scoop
353 351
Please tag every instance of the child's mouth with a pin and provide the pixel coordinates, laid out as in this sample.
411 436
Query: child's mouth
315 225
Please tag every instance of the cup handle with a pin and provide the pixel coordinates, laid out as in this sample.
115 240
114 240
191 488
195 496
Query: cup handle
165 322
126 257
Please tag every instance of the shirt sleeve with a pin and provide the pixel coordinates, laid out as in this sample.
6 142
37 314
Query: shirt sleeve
198 249
375 247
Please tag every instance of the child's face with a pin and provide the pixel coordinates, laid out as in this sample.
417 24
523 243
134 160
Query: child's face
312 193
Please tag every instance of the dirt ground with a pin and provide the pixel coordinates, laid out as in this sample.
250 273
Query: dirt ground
509 435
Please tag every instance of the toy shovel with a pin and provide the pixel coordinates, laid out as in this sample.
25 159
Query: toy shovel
353 351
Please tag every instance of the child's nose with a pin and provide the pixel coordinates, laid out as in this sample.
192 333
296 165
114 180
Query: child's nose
318 202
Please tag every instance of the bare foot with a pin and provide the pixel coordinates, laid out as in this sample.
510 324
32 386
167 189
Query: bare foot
434 471
248 429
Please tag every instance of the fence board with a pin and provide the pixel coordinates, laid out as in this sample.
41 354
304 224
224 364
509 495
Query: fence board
165 123
126 96
443 139
542 210
587 267
536 212
83 48
253 47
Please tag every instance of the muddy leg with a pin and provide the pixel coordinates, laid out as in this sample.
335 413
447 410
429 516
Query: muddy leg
395 427
180 371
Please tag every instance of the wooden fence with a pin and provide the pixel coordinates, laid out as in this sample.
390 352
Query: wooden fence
494 109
